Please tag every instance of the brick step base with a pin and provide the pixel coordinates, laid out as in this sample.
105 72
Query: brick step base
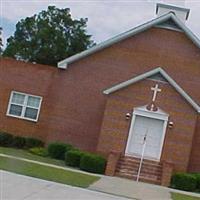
153 176
128 167
137 161
143 171
133 167
142 178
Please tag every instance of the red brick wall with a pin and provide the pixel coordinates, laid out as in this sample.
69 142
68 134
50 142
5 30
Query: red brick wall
73 104
27 78
178 140
195 153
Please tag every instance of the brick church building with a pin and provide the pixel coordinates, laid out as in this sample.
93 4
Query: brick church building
132 95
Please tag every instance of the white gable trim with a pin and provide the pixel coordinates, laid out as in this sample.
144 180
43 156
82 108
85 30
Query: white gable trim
64 63
173 7
150 73
159 114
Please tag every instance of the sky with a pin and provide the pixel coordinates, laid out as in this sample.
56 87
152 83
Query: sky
105 18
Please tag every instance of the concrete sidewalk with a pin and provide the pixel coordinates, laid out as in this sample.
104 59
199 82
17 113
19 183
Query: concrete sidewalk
19 187
136 190
131 189
119 186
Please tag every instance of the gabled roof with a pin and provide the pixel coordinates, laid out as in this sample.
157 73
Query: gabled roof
173 7
149 74
170 16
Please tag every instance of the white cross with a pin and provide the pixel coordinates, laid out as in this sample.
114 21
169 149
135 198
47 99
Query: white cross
155 90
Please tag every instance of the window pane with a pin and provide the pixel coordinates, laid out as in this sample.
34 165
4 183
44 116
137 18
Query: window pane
31 113
33 101
15 110
18 98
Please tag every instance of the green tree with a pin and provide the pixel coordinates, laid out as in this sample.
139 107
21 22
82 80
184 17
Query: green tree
48 37
1 42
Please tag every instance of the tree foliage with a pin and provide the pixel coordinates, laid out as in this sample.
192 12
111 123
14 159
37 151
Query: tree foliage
1 42
48 37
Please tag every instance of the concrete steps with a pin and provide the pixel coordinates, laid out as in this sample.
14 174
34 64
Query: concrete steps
151 171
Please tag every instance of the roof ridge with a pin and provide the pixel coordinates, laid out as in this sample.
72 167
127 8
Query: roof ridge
107 42
63 64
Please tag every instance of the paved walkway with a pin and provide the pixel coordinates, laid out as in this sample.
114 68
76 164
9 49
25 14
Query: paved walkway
131 189
118 186
18 187
135 190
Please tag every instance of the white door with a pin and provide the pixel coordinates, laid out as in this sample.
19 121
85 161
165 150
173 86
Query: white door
153 129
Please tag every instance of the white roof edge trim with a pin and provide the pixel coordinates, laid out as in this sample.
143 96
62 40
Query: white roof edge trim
187 31
150 73
131 81
64 63
114 40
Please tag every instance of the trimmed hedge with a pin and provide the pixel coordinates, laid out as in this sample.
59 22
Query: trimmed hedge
57 150
40 151
5 139
8 140
197 176
184 181
73 158
93 163
33 142
18 142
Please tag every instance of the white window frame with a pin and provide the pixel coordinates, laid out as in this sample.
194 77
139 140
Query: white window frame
24 106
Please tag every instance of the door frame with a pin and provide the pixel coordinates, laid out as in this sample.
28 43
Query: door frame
142 111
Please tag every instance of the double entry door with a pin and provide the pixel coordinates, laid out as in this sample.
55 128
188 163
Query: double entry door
146 130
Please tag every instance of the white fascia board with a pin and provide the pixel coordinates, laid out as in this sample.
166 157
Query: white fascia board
187 31
147 113
64 63
150 73
169 27
118 38
131 81
181 91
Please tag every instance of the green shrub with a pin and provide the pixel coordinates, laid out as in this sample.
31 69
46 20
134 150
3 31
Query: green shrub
184 181
40 151
197 176
57 150
6 139
18 142
33 142
92 163
198 181
73 157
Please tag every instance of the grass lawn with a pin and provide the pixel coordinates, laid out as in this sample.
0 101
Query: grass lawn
25 154
176 196
47 173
